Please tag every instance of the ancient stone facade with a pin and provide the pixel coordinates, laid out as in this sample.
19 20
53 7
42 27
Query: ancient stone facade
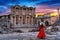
22 15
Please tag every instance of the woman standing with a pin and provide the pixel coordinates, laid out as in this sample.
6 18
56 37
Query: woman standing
41 33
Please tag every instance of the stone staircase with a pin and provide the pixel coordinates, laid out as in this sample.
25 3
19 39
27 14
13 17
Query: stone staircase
25 25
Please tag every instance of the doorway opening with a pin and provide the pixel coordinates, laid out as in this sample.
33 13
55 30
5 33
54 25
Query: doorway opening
46 23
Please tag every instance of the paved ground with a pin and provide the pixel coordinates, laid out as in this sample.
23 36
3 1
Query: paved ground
27 36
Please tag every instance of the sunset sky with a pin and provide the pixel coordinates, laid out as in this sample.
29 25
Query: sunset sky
40 5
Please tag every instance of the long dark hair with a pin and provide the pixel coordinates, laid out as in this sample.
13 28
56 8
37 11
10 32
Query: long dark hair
41 25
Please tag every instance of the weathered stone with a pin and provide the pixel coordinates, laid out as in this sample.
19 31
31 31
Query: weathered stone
5 25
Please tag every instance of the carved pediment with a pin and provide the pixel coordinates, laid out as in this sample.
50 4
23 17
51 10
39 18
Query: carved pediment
17 5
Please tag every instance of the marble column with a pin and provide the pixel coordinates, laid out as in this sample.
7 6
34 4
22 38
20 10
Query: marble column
29 20
22 17
18 19
21 20
15 20
11 19
26 20
32 20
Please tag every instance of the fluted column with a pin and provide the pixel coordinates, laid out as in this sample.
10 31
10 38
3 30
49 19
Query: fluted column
18 19
32 20
29 20
22 20
15 20
26 20
11 19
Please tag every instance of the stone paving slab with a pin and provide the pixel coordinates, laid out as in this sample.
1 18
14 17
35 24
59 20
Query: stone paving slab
26 36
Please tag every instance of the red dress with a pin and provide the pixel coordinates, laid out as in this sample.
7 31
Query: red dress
41 33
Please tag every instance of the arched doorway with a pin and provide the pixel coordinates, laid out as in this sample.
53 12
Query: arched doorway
46 23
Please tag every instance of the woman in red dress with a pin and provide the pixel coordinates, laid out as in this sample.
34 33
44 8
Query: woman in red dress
41 33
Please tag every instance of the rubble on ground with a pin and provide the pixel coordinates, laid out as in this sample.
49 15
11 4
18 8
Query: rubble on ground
5 25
